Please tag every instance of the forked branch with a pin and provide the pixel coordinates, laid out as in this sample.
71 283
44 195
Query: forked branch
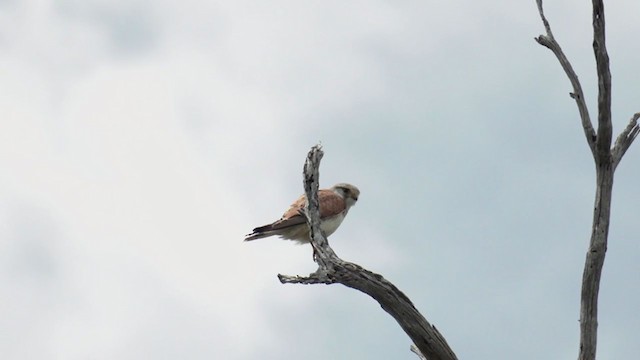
606 159
625 139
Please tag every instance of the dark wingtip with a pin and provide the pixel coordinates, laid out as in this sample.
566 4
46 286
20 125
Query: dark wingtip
258 233
260 229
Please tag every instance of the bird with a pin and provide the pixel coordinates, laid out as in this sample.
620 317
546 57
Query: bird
335 203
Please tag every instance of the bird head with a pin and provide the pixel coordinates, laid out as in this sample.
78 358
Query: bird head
349 192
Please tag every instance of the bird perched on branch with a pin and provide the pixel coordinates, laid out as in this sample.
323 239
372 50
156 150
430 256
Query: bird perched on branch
334 205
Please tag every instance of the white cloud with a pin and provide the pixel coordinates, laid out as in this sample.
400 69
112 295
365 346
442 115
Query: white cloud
140 141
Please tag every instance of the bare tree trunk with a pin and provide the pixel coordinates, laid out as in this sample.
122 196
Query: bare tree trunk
606 160
594 263
331 269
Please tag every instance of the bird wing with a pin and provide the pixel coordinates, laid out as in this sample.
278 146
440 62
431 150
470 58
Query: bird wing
331 204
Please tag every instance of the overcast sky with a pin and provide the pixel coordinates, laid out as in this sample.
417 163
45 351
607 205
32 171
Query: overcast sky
140 140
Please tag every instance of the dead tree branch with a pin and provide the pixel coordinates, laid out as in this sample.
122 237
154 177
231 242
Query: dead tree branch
332 269
550 42
416 351
606 159
625 139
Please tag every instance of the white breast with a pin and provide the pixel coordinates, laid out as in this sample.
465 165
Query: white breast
330 225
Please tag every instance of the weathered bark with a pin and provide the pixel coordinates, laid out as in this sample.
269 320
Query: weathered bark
416 351
606 160
625 139
594 263
550 42
332 269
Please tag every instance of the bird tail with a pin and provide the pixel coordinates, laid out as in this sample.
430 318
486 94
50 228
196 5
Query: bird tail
260 232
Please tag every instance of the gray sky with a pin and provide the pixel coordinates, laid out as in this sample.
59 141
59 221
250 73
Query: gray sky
140 140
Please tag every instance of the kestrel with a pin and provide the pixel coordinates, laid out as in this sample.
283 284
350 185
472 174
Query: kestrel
334 205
